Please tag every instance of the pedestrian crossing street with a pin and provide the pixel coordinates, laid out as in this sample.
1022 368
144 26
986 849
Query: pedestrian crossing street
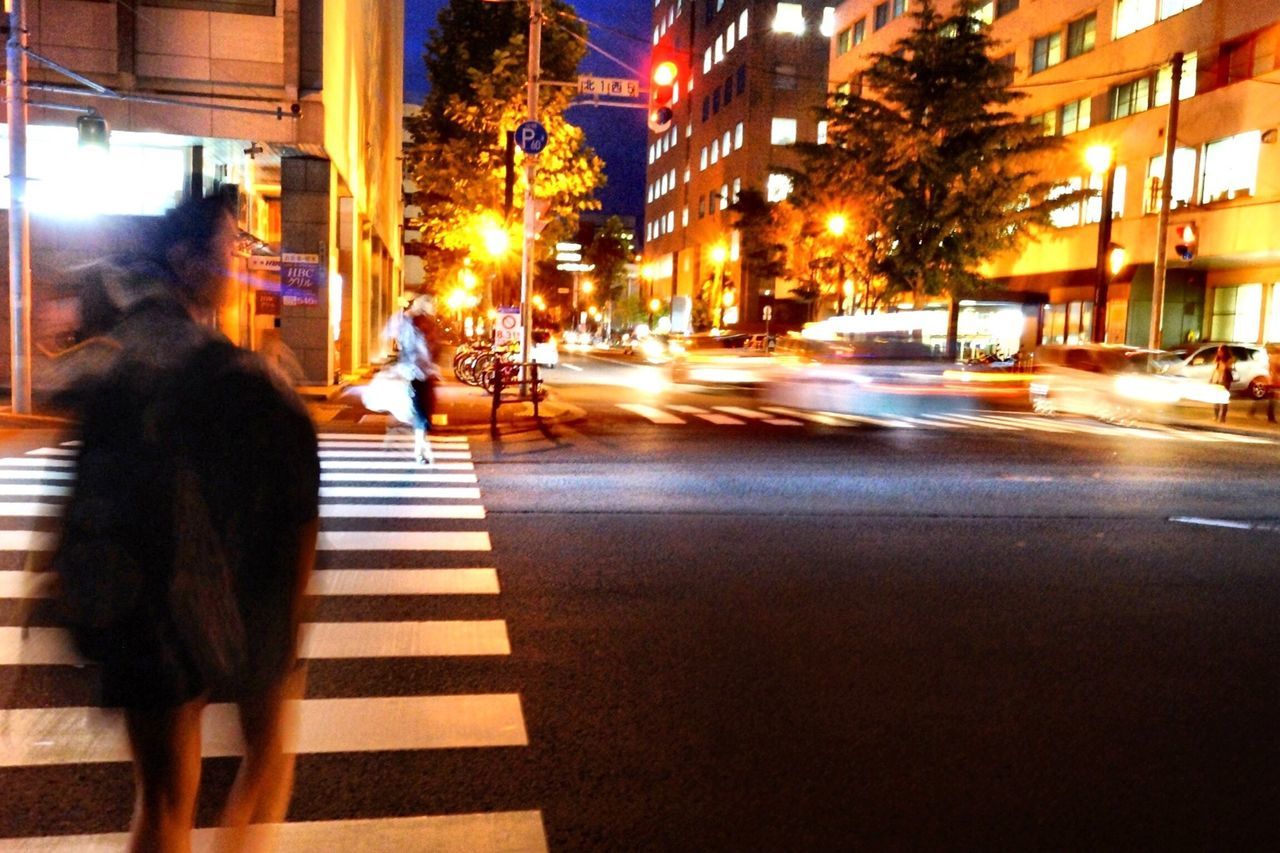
783 416
383 533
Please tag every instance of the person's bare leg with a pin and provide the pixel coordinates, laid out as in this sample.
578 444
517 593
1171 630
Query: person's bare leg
166 760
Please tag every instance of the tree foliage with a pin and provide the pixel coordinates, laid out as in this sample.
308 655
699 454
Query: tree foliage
610 252
926 159
476 61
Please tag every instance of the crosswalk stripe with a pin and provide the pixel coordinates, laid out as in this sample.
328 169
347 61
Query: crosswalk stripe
402 511
461 493
320 641
783 422
404 477
83 735
721 420
869 420
977 421
53 451
36 462
364 436
1038 425
657 416
687 410
750 414
26 540
33 490
399 465
35 474
25 509
812 417
403 540
340 582
493 832
945 419
392 454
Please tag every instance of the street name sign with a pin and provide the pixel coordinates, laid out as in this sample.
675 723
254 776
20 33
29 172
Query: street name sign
617 87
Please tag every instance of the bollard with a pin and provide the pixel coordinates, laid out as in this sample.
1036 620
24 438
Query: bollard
537 390
497 395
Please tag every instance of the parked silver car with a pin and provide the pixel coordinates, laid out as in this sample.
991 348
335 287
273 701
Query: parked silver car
1195 361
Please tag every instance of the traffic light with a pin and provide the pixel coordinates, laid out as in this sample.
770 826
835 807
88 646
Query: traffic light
1186 238
662 95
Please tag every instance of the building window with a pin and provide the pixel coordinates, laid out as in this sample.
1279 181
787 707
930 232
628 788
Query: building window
1169 8
737 189
1183 185
742 79
1186 87
728 91
1230 167
724 144
783 131
1081 36
1046 122
728 38
784 77
234 7
1069 216
1004 7
789 19
715 101
777 187
1093 207
882 14
844 41
737 136
822 133
706 108
702 157
1046 52
1130 98
724 196
742 25
986 13
899 7
1076 116
715 151
859 30
1237 313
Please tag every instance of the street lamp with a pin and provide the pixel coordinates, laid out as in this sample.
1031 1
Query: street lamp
726 301
837 225
654 305
1101 160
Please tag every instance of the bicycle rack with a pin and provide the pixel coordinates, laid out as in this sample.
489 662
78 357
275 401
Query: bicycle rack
527 369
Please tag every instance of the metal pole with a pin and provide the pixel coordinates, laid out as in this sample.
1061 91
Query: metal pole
1104 246
1166 200
530 173
19 223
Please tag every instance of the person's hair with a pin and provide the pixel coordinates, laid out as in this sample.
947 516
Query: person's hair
193 224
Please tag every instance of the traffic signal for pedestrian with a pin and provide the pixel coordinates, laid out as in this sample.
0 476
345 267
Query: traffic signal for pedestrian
662 95
1187 237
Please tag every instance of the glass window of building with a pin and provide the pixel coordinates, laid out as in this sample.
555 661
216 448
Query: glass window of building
882 14
1230 167
702 207
702 165
715 101
1130 98
718 55
724 196
706 61
742 79
822 133
986 12
1004 7
1186 87
742 25
777 187
715 151
784 77
1133 15
1067 216
1076 116
783 131
728 38
1237 313
1169 8
1047 122
724 143
706 108
1093 207
789 19
737 189
899 7
859 30
728 91
1046 52
844 41
1183 185
737 136
828 25
1082 35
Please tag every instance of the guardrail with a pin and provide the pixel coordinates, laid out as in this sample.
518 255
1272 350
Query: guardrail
508 374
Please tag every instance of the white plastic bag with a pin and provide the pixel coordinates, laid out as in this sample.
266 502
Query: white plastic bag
388 391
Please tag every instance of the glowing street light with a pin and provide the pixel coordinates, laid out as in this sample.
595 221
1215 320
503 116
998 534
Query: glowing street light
837 224
493 237
655 305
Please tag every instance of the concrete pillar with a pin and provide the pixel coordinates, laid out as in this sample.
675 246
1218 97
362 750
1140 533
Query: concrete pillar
305 229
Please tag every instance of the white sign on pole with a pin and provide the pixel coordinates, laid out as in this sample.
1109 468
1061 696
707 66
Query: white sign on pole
506 329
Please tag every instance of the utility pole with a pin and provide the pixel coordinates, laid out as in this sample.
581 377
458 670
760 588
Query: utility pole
530 172
1166 200
19 222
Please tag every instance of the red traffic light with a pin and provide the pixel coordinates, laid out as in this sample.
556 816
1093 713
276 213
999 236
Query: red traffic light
664 79
1186 237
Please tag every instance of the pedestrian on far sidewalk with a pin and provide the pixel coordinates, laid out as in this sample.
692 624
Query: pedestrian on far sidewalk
1223 374
1273 380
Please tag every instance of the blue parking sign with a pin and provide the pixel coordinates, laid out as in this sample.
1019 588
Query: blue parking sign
531 136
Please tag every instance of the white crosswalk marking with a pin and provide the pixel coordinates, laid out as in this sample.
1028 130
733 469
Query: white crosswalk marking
385 480
379 438
812 417
657 416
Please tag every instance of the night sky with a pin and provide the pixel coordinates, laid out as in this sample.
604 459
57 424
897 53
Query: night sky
618 135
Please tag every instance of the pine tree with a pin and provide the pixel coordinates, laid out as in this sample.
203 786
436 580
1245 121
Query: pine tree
929 161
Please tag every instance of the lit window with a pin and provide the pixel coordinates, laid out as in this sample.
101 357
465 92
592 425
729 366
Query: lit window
783 131
655 35
1230 167
859 30
671 221
684 218
899 7
742 25
828 25
1186 87
718 56
844 41
1069 216
724 196
789 19
702 159
822 133
715 151
1182 187
1133 15
777 187
706 61
724 146
737 188
1046 122
1169 8
687 174
1046 52
728 38
1093 207
1076 116
986 13
1130 98
1081 36
1237 312
737 136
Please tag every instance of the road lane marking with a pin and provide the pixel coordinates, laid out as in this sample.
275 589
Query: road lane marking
721 420
36 462
460 493
35 474
53 451
366 436
398 465
16 585
1221 522
82 735
493 832
687 410
570 366
343 582
402 511
657 416
33 490
405 453
403 540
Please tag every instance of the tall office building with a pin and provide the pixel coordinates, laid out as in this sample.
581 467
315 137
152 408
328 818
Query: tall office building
752 77
1099 74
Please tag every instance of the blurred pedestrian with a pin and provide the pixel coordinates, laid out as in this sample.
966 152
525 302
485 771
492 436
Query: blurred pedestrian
1273 380
1223 374
417 365
190 533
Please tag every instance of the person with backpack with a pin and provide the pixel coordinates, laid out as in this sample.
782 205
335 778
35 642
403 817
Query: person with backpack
189 537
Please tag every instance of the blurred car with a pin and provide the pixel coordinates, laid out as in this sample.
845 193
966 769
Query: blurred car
1112 383
1195 361
544 350
717 360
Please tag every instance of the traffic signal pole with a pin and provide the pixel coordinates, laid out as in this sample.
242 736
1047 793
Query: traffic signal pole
19 220
1166 201
530 214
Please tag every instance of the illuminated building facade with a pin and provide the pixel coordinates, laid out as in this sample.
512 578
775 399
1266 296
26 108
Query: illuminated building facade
752 76
319 186
1099 74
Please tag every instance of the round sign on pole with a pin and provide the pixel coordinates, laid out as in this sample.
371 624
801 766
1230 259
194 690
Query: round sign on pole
531 136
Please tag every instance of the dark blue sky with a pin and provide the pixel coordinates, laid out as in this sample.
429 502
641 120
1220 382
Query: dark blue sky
619 136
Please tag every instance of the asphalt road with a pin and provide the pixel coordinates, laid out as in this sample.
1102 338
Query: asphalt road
727 634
